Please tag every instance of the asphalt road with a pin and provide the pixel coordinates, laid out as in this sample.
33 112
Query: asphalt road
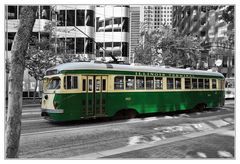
42 139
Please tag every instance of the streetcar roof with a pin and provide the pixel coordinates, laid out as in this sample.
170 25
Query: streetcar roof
130 68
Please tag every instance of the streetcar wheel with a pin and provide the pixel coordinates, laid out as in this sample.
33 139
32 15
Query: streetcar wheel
200 107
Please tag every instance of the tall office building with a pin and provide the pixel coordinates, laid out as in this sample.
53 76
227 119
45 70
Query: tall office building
154 16
76 41
112 31
134 30
206 22
77 29
162 16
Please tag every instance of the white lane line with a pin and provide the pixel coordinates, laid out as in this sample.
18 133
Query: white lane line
35 120
31 113
219 123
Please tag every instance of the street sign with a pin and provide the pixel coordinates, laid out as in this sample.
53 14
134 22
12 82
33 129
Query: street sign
218 62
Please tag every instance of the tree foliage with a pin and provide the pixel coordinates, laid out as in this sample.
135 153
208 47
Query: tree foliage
167 47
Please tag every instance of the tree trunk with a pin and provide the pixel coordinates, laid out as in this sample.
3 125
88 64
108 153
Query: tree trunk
35 90
20 45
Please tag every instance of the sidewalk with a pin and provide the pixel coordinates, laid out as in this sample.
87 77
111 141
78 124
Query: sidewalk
28 103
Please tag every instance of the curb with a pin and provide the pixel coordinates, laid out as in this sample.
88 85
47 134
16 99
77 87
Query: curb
31 105
125 149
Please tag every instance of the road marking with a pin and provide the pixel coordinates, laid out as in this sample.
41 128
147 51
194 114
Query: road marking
130 148
35 120
219 123
31 113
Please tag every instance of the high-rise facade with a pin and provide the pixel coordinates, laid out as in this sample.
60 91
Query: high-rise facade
154 16
77 30
112 32
206 23
134 31
162 16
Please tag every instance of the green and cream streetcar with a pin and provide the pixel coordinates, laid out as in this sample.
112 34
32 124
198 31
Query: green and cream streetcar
74 91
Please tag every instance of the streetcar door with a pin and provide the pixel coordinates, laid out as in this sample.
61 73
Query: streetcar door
95 90
100 95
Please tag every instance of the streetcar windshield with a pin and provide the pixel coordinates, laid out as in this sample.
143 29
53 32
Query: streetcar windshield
52 83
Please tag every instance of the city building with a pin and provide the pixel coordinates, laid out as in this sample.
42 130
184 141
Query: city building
84 31
162 16
78 41
134 31
43 16
206 23
112 32
153 17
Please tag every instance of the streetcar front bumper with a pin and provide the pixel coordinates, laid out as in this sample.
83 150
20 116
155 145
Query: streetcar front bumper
44 112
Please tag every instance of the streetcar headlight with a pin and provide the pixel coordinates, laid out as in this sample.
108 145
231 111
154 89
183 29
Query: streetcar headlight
55 104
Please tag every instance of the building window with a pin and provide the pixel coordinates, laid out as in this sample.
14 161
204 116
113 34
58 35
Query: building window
225 61
79 45
125 48
10 40
12 12
117 24
125 23
61 18
109 25
45 12
99 50
130 82
89 46
139 82
70 17
80 17
90 18
70 42
61 45
119 82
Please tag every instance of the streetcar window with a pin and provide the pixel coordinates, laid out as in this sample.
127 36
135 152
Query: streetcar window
194 84
54 83
139 82
98 84
187 83
70 82
119 82
170 83
220 84
206 83
177 83
200 83
84 85
90 84
214 84
130 82
104 84
158 83
149 83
